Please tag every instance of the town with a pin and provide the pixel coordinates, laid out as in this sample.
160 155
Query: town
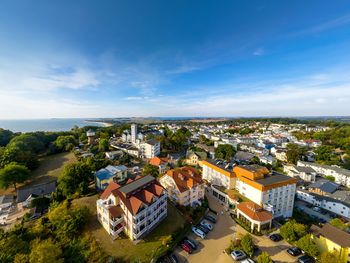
230 190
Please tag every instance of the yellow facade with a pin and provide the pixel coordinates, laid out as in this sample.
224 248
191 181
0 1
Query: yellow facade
326 245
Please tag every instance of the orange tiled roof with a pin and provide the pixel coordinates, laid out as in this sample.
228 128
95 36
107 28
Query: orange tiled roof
156 161
115 211
110 188
254 211
185 178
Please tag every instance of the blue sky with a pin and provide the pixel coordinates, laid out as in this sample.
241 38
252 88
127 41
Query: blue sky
174 58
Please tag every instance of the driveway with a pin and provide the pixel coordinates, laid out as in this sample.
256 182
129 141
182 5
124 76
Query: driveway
211 249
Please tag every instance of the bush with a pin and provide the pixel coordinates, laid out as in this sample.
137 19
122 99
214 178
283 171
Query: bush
308 245
247 244
292 231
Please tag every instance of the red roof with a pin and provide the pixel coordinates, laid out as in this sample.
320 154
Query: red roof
111 187
185 178
156 161
254 211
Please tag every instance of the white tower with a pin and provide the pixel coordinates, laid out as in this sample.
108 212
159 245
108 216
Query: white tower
133 133
91 136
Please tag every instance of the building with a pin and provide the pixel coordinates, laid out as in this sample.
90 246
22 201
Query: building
26 194
150 149
133 133
331 239
184 186
254 216
307 174
323 187
112 155
337 202
341 175
91 136
161 163
274 192
218 173
109 174
194 157
135 208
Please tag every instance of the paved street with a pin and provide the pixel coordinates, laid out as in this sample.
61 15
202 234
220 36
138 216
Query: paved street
211 249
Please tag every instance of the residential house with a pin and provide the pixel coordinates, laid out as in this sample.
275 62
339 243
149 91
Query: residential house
26 194
135 208
341 175
108 174
160 162
193 158
150 149
331 239
305 173
184 185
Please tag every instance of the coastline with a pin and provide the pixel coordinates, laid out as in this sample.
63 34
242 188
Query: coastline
105 124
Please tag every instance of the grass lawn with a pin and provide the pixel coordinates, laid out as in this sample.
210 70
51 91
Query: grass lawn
49 169
124 248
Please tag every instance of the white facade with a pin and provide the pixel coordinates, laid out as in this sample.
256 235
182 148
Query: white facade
150 150
327 203
342 176
217 176
133 133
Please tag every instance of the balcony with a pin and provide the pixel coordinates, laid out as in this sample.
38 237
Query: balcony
116 221
117 230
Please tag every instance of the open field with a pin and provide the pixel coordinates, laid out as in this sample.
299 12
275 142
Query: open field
124 248
49 169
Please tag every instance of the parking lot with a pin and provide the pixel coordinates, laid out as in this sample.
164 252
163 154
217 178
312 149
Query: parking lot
212 248
308 209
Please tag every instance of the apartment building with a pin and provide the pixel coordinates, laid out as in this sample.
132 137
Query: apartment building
184 186
274 192
108 174
135 208
341 175
218 173
305 173
150 149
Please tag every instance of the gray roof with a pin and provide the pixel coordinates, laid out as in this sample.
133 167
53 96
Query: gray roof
325 186
243 156
304 169
40 189
131 187
6 199
274 178
227 166
324 197
339 170
153 142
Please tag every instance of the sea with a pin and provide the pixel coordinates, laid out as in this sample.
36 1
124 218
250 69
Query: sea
59 124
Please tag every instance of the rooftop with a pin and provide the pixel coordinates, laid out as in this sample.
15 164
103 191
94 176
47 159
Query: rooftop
254 211
332 233
135 185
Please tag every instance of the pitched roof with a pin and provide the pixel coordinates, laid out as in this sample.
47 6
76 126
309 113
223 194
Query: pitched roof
40 189
254 211
185 178
156 161
332 233
110 188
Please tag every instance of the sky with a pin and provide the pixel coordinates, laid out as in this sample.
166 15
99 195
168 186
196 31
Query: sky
70 59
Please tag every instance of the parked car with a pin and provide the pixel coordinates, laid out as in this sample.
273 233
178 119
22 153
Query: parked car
207 225
173 258
247 260
306 259
317 209
294 251
204 229
210 218
238 255
275 237
186 248
198 232
192 245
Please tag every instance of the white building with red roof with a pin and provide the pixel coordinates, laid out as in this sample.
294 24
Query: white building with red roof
135 208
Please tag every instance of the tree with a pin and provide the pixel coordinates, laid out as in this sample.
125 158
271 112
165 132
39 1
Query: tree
225 151
294 152
75 178
247 244
103 145
65 143
292 231
21 258
20 154
264 257
150 170
5 136
41 203
325 154
44 251
12 174
308 245
338 223
328 257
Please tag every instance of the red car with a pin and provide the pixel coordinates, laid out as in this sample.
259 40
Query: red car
186 248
